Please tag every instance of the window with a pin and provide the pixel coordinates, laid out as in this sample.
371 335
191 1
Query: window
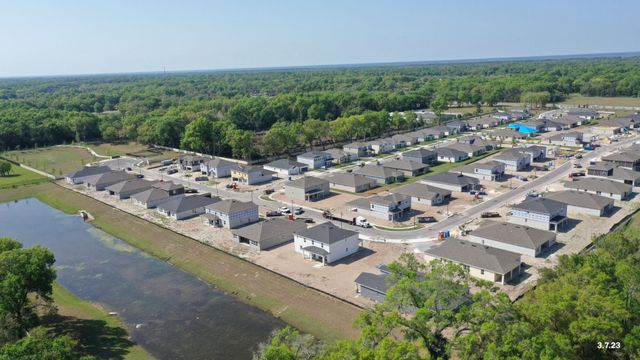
481 272
347 250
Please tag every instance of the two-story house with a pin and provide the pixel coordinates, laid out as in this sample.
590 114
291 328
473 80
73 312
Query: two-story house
231 214
540 213
315 159
307 188
326 243
392 207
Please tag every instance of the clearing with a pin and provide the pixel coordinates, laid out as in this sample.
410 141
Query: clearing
20 176
577 99
56 160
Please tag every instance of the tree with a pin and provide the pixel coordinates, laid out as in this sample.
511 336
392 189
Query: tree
242 143
198 136
288 344
314 130
5 168
439 105
40 345
535 99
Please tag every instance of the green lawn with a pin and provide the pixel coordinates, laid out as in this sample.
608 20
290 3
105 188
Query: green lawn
56 160
577 99
98 334
20 176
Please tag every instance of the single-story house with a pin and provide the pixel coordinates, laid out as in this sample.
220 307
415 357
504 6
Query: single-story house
470 149
572 138
421 155
183 207
508 134
432 133
80 176
382 175
170 187
191 162
483 262
392 207
478 142
483 123
424 194
446 154
286 167
124 189
452 181
315 159
382 146
307 188
351 182
584 114
604 187
373 286
492 171
513 159
150 198
357 149
583 203
443 129
326 243
519 239
615 173
407 167
340 156
268 233
457 126
402 140
540 213
218 168
625 159
99 182
606 128
231 213
251 175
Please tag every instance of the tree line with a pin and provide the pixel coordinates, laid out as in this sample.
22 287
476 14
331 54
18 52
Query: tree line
158 108
588 307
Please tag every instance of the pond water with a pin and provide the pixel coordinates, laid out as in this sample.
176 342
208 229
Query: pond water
172 314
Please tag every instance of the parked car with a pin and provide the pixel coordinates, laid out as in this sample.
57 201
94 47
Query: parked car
190 191
273 213
172 171
202 178
477 192
268 191
521 178
128 168
307 220
285 210
426 219
578 156
489 214
298 211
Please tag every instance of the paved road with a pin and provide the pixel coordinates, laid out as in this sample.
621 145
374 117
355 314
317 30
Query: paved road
424 235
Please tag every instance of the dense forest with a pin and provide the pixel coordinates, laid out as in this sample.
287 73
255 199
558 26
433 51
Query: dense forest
257 113
588 307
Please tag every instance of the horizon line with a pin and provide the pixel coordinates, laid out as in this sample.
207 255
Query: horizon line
624 54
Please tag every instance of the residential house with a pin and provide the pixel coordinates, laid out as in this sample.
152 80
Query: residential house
340 156
183 207
373 286
470 149
604 187
315 159
99 182
452 181
170 187
457 126
307 188
286 167
584 114
351 182
403 140
81 175
124 189
392 207
217 167
479 142
483 262
607 128
231 213
407 167
540 213
519 239
432 133
447 154
534 152
443 129
582 203
509 134
615 173
424 194
191 162
626 159
357 149
252 175
382 175
150 198
572 138
513 159
485 122
421 155
492 171
268 233
382 146
326 243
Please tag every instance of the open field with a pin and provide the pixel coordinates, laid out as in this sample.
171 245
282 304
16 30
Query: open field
57 160
98 334
20 176
577 99
111 149
286 299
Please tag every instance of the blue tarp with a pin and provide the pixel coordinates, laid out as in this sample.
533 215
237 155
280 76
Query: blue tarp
522 128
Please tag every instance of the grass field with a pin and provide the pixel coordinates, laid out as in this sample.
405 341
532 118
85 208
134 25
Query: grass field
577 99
20 176
109 149
57 160
284 298
98 334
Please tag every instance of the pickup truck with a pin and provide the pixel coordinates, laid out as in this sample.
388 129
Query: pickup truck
489 214
426 219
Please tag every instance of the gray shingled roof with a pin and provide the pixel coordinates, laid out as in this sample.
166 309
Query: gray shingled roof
314 153
167 185
231 206
476 255
580 199
625 174
179 204
422 191
326 233
353 180
377 282
218 162
513 234
448 152
285 164
306 182
89 171
376 171
109 178
623 156
466 148
602 185
452 179
510 155
540 205
406 165
271 229
421 153
387 200
130 185
152 194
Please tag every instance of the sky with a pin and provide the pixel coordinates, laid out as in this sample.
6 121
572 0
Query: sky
86 37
